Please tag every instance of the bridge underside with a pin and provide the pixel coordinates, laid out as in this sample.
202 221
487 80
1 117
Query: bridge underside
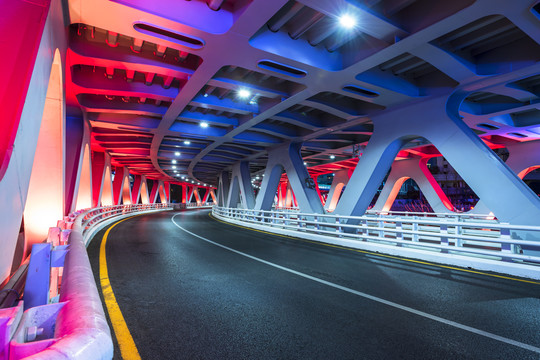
327 106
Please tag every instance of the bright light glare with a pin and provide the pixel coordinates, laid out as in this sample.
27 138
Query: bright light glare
204 124
332 157
347 21
177 153
244 94
173 161
187 142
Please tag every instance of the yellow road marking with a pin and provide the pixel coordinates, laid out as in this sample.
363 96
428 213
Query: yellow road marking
379 254
128 349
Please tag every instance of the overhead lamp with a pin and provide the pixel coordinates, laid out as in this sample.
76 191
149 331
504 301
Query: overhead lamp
173 161
177 153
204 124
332 157
187 142
347 21
174 167
198 183
305 163
244 93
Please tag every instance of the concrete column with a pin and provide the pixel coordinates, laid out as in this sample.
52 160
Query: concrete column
206 195
197 195
240 190
341 179
288 157
213 195
145 198
524 158
417 170
167 191
136 189
77 147
46 191
121 187
438 121
223 188
83 189
184 193
375 162
314 177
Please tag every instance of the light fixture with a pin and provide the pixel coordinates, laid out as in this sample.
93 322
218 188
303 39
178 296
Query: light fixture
174 167
244 93
183 177
177 153
332 157
347 21
305 163
187 142
204 124
173 161
205 95
198 183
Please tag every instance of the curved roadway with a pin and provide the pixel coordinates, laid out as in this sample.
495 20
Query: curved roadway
218 291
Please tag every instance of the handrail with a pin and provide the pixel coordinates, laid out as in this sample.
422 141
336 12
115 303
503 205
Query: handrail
80 329
474 237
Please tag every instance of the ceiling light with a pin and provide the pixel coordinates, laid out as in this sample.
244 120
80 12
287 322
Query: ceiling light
332 157
204 124
187 142
173 161
244 93
174 167
177 153
305 163
347 21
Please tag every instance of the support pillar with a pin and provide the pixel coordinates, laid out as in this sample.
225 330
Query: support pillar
438 121
223 188
240 187
341 179
288 158
121 187
417 170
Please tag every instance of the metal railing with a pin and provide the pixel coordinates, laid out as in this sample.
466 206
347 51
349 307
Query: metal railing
71 324
455 234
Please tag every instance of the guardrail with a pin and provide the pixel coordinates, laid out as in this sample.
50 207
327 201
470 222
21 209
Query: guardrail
475 242
71 325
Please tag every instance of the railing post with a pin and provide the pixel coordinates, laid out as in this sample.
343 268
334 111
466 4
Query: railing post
444 236
507 248
415 228
399 234
459 231
380 224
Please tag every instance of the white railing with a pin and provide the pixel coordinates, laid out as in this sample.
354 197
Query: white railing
92 217
199 205
475 237
446 215
71 325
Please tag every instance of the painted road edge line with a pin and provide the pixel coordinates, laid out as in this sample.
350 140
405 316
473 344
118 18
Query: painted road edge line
128 349
371 297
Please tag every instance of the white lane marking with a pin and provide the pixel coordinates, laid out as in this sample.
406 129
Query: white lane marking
371 297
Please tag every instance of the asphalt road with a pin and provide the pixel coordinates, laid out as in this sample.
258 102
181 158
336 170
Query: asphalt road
224 292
